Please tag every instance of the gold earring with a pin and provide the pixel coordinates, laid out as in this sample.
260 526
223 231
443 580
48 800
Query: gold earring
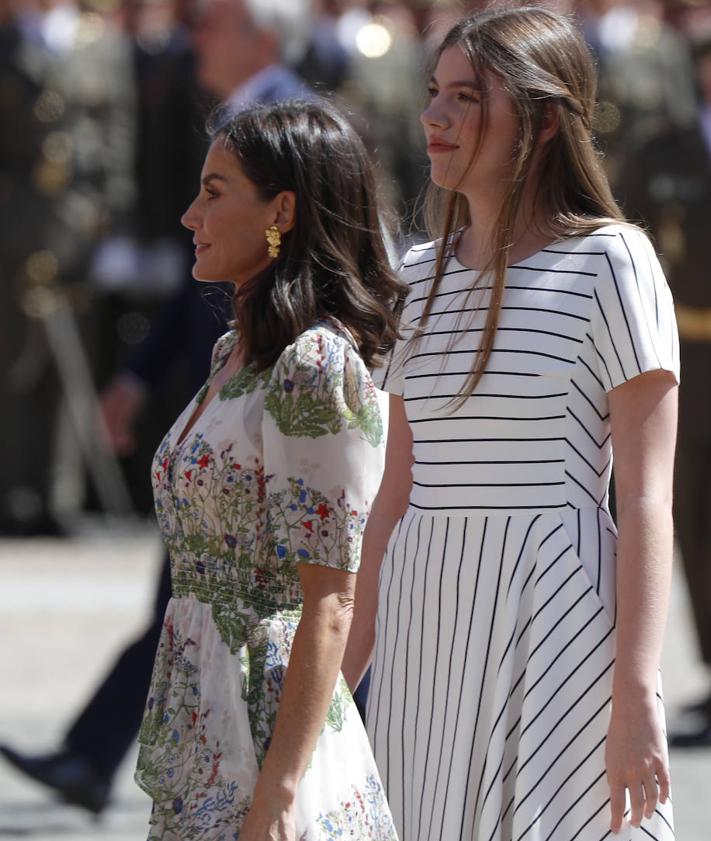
273 235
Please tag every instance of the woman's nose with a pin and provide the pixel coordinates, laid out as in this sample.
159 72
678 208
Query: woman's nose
189 218
433 116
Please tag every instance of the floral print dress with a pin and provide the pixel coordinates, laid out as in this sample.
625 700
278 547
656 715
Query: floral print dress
281 468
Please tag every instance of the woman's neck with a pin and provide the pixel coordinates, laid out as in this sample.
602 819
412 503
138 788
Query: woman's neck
532 230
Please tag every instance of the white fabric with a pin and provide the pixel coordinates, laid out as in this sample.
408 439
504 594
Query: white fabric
279 469
495 643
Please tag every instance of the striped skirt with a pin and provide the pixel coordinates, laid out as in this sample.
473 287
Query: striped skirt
491 682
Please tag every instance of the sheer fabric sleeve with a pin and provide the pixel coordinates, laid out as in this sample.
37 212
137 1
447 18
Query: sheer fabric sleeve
633 324
324 451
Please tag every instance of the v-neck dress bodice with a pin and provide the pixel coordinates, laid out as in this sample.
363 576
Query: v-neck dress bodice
279 469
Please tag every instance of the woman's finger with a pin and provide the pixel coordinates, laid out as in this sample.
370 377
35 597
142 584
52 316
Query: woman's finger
664 780
636 802
651 793
617 805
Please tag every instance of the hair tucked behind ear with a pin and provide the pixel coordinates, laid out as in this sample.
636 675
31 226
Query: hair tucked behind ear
543 62
333 262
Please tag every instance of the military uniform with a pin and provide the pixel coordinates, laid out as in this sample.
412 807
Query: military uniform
668 185
66 149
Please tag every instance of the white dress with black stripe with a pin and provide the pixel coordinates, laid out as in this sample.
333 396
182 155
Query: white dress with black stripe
492 675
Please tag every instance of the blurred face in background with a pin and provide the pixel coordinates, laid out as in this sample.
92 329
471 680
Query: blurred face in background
230 47
149 19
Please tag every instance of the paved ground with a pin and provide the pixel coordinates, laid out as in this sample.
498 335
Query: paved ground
67 607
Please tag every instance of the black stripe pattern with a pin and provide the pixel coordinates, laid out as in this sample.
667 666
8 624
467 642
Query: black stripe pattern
495 643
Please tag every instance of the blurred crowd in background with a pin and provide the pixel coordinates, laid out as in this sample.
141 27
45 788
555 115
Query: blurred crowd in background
104 336
102 108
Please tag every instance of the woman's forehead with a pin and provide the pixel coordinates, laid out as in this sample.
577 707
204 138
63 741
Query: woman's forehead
454 66
221 160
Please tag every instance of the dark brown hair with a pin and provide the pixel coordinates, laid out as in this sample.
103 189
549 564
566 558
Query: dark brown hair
333 262
543 61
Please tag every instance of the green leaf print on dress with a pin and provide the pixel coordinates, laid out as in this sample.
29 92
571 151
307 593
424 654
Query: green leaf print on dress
244 382
318 389
281 471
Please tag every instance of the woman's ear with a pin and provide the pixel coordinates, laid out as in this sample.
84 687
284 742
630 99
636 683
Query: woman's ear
551 123
285 210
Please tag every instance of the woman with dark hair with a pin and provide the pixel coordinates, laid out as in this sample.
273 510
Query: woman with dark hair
514 689
263 488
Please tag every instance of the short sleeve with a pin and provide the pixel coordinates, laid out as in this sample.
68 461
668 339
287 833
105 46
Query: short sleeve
324 433
391 377
633 324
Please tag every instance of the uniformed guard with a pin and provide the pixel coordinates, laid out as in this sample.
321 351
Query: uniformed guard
66 157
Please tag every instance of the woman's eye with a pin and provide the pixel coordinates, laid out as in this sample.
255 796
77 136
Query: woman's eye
211 194
466 97
432 92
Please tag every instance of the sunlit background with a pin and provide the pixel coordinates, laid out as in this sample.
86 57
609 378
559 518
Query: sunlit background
102 108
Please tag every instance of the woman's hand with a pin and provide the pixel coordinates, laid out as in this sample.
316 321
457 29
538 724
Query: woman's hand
271 818
636 759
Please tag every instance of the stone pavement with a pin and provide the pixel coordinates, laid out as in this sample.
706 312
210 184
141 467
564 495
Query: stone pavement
68 606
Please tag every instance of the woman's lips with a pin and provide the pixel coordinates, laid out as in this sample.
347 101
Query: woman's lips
200 247
437 147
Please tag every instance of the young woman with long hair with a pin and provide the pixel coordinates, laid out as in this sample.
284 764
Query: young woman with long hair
514 691
263 487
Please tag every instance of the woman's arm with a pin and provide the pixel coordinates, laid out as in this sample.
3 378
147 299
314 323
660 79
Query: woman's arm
389 506
643 421
314 663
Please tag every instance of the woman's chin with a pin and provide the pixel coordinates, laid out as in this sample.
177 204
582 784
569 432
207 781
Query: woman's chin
442 179
204 275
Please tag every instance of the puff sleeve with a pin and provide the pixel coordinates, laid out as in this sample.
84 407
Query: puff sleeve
633 324
324 433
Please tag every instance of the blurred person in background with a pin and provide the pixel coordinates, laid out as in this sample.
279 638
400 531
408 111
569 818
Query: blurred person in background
240 61
246 49
66 181
385 55
325 63
134 274
646 78
667 184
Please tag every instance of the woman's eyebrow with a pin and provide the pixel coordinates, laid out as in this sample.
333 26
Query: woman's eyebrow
212 176
462 83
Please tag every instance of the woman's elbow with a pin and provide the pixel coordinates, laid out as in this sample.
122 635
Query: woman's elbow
340 614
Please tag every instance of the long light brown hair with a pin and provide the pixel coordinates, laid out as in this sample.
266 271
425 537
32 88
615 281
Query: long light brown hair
543 62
